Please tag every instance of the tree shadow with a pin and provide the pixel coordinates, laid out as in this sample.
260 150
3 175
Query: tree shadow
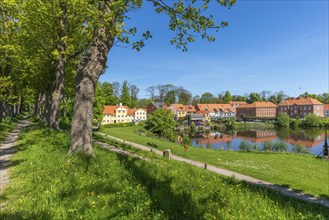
283 201
176 205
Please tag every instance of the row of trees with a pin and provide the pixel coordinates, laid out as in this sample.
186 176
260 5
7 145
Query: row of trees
53 52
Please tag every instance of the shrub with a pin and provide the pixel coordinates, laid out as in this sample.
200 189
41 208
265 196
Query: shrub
283 120
267 146
300 149
280 146
245 146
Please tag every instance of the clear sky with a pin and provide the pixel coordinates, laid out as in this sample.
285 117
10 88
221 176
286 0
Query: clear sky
269 45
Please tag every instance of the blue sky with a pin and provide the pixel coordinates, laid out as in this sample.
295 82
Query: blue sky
269 45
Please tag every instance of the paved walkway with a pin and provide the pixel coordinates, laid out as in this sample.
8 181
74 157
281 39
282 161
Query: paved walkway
285 191
7 149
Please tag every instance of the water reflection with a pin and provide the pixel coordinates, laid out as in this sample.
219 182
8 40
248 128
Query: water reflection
313 139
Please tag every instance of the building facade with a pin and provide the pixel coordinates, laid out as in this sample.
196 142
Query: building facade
122 114
154 106
216 111
326 110
300 107
256 110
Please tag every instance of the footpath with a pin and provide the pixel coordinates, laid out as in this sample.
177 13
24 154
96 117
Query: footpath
7 149
238 176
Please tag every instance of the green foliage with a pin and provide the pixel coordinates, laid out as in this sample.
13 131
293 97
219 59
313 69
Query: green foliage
76 187
311 120
267 146
299 149
108 94
280 146
229 123
227 97
207 98
125 98
295 123
245 146
170 97
271 167
161 122
118 125
99 103
282 120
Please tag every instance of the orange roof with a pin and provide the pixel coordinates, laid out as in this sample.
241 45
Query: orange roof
237 103
178 107
189 108
110 109
326 107
131 111
216 107
301 101
258 105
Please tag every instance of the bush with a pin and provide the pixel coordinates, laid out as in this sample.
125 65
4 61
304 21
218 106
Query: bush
245 146
283 120
267 146
118 125
280 146
300 149
311 120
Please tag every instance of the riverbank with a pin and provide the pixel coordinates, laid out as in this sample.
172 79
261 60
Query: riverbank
112 185
295 171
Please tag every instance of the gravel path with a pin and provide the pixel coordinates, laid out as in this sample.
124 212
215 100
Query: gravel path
285 191
7 149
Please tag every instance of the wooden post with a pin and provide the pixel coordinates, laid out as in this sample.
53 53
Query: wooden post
167 154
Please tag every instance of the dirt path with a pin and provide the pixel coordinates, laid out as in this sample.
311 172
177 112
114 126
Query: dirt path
7 149
285 191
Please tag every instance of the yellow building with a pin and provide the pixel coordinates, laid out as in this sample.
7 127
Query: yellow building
122 114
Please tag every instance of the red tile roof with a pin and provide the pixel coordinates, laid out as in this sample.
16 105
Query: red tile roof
258 105
178 107
301 101
110 109
216 107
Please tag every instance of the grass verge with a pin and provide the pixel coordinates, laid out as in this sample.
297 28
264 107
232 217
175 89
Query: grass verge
48 184
302 173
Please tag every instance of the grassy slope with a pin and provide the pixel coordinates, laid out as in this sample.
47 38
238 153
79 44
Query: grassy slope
299 172
48 184
6 126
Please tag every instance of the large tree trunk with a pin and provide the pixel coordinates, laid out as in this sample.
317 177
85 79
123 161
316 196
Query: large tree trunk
90 68
59 72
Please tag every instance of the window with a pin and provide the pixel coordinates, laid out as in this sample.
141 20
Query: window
309 108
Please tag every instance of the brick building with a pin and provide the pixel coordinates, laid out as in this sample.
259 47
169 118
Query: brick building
256 110
300 107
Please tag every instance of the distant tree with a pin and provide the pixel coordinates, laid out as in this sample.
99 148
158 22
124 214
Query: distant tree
134 90
254 97
265 95
196 100
108 94
116 90
324 98
311 120
184 96
239 98
143 103
227 97
207 98
170 97
280 96
283 120
151 91
162 123
125 98
98 104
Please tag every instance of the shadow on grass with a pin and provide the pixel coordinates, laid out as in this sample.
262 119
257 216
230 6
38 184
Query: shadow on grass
286 201
22 215
175 205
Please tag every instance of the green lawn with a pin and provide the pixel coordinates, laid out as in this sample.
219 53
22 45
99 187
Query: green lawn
46 183
300 172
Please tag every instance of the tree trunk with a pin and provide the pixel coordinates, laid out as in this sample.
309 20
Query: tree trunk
47 108
1 111
89 70
59 72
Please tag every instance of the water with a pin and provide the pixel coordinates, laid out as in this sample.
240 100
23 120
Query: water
312 139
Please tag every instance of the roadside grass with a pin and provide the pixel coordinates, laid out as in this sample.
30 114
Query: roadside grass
7 125
49 184
302 173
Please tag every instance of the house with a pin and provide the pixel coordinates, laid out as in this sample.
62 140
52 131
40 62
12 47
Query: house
197 119
216 111
138 115
235 104
178 110
154 106
122 114
300 107
256 110
326 110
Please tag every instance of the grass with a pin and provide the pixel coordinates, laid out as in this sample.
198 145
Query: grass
46 183
7 125
302 173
